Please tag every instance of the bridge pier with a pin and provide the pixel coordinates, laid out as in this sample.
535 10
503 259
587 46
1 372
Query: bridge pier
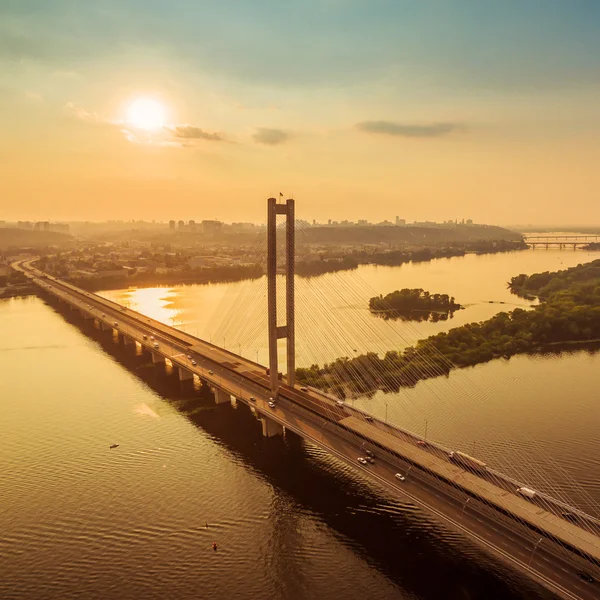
157 359
128 341
270 428
221 396
184 374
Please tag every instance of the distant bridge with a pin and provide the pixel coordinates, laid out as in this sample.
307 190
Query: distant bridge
555 544
560 241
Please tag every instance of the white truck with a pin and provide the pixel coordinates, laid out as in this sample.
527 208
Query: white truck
466 461
527 492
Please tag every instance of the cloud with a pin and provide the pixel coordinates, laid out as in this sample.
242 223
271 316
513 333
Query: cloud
190 132
273 137
414 131
175 136
83 115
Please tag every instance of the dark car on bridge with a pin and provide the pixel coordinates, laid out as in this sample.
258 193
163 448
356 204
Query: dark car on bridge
586 577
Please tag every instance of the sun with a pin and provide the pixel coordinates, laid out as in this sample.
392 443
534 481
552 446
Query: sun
146 113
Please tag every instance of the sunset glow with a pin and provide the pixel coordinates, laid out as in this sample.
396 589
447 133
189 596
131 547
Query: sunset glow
145 113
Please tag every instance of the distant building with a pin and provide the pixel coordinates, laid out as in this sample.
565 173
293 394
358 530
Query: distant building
60 227
362 222
24 224
172 225
400 221
192 225
180 225
212 227
469 221
42 225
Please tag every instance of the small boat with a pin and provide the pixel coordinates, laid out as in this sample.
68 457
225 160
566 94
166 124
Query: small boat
113 446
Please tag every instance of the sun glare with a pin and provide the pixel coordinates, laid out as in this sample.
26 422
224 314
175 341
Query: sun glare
145 113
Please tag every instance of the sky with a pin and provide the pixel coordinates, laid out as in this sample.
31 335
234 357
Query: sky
425 109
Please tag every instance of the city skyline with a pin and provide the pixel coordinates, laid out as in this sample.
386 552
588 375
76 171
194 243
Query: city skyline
425 109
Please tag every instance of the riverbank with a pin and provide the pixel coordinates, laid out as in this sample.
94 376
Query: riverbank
15 291
568 313
198 276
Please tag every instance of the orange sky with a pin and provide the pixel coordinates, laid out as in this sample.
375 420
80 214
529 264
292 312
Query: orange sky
354 125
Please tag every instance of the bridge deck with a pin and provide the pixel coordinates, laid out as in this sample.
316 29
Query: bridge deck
506 501
235 368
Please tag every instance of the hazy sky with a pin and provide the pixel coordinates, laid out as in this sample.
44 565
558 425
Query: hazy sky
427 109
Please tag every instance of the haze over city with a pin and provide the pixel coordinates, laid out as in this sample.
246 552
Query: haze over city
432 110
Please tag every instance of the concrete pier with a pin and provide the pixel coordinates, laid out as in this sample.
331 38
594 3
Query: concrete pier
270 428
221 396
185 375
157 359
128 341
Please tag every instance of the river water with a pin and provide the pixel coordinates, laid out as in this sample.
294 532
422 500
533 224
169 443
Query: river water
79 520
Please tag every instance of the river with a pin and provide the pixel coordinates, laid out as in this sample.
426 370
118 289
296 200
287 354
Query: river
79 520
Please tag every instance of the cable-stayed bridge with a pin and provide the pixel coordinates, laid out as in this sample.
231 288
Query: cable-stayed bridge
545 537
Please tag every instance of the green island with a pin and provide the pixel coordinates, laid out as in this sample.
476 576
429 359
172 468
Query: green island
414 305
568 313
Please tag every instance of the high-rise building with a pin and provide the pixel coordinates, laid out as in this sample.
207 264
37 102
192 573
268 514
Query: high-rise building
192 225
180 225
212 227
400 221
172 225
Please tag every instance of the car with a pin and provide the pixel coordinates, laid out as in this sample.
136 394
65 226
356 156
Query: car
210 373
422 443
103 315
585 577
569 516
303 389
369 453
370 460
189 356
369 419
400 477
362 461
194 362
155 345
339 403
115 324
252 399
144 337
151 337
271 404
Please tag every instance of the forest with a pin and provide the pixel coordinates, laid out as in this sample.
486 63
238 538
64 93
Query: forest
569 312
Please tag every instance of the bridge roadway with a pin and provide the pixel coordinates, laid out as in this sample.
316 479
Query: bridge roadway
467 502
560 240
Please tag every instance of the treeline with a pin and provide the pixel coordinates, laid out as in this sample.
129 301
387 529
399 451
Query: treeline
544 284
395 258
221 274
569 312
408 299
313 268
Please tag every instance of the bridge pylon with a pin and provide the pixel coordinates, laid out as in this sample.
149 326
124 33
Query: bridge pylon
287 331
